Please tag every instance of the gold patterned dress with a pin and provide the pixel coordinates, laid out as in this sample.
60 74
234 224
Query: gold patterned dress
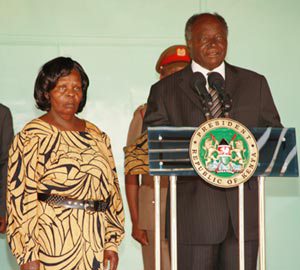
78 165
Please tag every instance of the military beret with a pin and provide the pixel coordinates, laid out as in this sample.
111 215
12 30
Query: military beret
173 54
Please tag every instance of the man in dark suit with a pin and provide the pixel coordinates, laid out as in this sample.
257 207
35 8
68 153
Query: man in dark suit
6 136
207 215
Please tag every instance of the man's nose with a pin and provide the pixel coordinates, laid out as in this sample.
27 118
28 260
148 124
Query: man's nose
213 42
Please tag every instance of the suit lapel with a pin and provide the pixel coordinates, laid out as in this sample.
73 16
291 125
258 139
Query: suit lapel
231 81
185 86
231 84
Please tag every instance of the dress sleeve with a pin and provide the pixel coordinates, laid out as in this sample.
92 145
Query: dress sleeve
115 213
22 231
136 156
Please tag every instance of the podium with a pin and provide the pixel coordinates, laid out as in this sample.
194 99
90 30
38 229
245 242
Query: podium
168 149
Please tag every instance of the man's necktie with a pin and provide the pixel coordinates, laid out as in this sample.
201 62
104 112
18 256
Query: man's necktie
216 108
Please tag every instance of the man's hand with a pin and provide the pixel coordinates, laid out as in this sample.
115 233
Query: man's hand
139 235
34 265
2 224
112 257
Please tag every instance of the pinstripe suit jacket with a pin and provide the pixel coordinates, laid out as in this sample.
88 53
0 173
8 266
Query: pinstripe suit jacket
204 211
6 136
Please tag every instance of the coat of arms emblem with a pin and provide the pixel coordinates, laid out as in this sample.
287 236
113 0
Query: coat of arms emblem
224 152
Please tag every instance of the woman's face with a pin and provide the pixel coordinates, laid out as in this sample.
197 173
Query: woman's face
67 94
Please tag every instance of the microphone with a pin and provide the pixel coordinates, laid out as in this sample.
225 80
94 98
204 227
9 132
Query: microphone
217 82
198 84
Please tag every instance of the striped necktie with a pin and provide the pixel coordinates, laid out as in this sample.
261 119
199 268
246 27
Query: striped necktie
216 108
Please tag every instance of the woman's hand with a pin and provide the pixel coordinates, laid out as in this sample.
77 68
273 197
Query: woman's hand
34 265
112 257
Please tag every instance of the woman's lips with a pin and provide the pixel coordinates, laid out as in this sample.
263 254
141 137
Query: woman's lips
70 105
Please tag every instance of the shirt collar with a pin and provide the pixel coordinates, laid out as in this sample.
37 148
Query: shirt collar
197 68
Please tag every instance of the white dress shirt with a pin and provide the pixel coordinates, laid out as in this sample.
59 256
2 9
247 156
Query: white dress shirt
197 68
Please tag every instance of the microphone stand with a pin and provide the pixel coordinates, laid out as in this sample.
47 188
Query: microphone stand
206 103
227 104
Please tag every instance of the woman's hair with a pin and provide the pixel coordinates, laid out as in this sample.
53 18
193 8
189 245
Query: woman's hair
49 76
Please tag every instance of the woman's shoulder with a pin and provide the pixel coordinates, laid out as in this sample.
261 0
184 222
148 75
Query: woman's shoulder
37 127
97 133
94 130
33 132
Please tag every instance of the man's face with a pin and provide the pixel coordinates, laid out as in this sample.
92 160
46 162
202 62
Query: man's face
208 42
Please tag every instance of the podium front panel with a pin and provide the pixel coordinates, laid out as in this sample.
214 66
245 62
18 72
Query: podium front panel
169 151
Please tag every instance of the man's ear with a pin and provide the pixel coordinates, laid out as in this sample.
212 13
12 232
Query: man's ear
189 45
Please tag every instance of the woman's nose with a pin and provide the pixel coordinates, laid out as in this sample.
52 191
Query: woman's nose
70 92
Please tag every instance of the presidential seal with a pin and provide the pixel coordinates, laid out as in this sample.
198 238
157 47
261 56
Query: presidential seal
224 152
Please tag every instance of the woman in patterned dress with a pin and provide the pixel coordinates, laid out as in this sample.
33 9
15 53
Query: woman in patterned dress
64 205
